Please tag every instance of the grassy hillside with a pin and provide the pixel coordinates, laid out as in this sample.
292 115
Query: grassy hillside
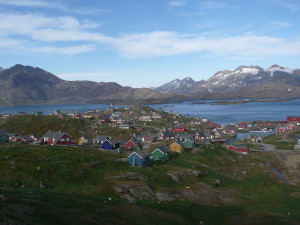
64 185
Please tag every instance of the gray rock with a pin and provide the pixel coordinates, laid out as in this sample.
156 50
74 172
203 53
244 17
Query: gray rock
41 184
2 197
217 182
174 177
244 172
131 176
198 173
165 197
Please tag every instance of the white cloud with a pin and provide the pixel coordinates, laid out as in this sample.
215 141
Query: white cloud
284 3
72 50
160 43
214 5
281 24
177 3
68 35
33 4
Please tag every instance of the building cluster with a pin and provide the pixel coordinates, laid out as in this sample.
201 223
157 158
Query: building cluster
184 133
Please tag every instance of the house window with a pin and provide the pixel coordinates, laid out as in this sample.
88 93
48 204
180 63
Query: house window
68 139
62 139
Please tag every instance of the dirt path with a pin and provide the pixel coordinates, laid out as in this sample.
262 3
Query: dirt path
291 161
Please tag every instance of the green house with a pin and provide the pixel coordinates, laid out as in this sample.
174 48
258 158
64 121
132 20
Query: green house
189 143
161 153
3 136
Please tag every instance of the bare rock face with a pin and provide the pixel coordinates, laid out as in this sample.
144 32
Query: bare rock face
130 176
133 192
177 176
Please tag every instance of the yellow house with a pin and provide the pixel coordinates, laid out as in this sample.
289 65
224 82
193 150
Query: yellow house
177 146
82 140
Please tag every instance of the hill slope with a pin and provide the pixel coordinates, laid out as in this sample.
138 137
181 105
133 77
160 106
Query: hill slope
28 85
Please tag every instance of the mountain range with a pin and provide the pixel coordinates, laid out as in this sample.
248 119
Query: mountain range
243 82
28 85
31 85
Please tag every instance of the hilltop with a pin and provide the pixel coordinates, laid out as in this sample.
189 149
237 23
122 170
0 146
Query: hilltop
28 85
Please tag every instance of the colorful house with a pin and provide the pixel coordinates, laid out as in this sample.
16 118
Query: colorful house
177 146
145 137
167 135
82 140
184 136
179 128
189 143
161 153
202 136
98 139
110 144
133 143
56 138
139 158
244 149
22 139
3 136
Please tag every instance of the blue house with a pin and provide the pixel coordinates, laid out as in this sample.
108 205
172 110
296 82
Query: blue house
139 158
3 136
110 144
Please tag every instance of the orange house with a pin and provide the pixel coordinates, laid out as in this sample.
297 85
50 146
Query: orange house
177 146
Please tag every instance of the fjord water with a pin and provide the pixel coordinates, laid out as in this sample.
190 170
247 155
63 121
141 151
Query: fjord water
224 114
49 109
234 113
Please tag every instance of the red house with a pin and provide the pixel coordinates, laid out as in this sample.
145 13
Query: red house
56 138
293 118
244 149
179 128
133 143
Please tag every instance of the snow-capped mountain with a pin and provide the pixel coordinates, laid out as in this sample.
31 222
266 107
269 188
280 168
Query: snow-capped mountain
179 86
1 69
243 76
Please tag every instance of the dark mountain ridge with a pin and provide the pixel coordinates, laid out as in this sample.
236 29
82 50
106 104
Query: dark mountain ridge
28 85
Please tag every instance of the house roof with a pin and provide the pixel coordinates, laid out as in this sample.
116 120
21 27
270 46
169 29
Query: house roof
190 139
169 134
179 143
3 132
112 141
163 149
53 134
142 154
184 135
25 138
101 137
135 141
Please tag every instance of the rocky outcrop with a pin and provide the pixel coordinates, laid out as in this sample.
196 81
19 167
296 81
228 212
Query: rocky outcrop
130 176
133 192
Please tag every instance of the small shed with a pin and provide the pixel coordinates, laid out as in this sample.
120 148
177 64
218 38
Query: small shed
161 153
240 148
139 158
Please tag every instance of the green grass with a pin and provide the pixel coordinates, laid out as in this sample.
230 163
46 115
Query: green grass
77 188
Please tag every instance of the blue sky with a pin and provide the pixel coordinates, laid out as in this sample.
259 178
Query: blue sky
142 43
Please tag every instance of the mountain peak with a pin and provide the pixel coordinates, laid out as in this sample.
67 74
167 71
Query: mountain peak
275 66
1 69
187 79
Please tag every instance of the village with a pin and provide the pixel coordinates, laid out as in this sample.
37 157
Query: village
143 134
